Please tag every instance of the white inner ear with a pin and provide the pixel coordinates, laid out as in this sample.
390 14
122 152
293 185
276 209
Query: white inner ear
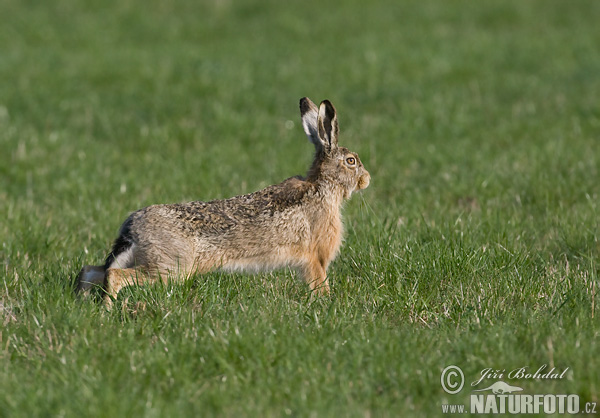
309 123
322 111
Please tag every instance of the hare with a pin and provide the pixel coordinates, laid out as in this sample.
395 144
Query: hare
295 224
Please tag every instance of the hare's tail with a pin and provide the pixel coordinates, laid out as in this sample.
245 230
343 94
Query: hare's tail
121 256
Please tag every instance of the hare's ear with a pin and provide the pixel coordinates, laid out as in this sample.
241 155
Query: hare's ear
309 114
327 124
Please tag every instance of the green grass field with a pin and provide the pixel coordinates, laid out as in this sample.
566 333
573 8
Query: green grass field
476 245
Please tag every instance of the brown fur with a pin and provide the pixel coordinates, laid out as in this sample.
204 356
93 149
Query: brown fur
296 223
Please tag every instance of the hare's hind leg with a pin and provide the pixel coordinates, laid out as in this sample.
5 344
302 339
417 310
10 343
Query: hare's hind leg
90 276
117 279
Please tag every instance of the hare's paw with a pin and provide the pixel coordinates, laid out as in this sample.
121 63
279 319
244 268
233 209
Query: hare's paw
88 277
322 289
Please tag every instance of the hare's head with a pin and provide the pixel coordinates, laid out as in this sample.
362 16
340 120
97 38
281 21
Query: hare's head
333 165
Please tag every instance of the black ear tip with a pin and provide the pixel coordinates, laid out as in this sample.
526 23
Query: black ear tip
328 108
327 104
304 105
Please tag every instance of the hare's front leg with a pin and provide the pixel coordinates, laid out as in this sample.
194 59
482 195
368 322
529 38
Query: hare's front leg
316 277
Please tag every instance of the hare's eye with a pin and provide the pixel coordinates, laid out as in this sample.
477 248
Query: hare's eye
350 160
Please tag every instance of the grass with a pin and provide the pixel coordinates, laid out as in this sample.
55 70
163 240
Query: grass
475 245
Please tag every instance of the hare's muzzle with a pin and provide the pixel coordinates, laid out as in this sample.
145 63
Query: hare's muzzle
363 181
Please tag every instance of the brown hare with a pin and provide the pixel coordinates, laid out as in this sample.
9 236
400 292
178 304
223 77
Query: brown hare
296 224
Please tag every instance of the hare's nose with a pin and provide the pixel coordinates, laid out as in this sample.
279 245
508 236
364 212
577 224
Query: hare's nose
364 180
